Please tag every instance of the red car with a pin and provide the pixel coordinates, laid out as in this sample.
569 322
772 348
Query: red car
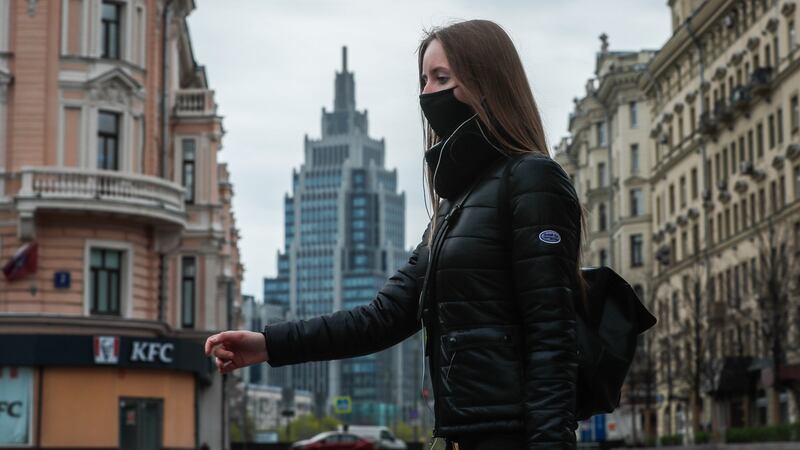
334 440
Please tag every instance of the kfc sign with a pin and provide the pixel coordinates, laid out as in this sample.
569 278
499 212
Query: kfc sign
151 352
106 349
16 394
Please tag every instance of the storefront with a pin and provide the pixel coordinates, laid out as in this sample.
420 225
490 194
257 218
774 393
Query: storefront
59 391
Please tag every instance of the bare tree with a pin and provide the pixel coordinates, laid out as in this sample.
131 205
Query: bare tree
774 278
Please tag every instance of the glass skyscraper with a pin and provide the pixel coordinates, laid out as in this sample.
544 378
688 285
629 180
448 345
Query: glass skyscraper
344 236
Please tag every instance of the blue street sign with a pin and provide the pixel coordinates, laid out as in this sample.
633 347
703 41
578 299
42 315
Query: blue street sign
343 405
413 414
61 280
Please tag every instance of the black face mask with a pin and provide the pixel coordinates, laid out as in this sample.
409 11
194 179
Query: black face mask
445 113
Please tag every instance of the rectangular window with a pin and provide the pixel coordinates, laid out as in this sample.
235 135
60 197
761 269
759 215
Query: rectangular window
711 230
633 115
741 148
760 139
725 166
603 258
601 217
108 141
782 191
601 133
682 185
637 242
188 172
762 202
105 281
695 239
694 184
794 114
791 35
636 202
684 244
750 146
634 159
771 130
797 182
773 196
110 30
671 198
601 174
779 119
188 290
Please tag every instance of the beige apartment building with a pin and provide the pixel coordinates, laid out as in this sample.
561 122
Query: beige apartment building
117 235
721 172
606 156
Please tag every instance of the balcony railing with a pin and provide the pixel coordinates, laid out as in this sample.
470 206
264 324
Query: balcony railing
62 188
760 80
195 102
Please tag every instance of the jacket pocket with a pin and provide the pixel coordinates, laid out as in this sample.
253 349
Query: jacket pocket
480 371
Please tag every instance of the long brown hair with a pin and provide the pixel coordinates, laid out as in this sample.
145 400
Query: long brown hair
491 78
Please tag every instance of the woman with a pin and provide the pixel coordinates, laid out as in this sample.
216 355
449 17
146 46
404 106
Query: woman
493 280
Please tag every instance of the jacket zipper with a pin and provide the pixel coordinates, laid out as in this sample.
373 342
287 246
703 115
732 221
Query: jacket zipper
438 243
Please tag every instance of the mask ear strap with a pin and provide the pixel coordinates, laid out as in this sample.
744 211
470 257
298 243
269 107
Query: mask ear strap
444 146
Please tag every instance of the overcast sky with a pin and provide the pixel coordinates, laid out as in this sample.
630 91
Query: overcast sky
272 65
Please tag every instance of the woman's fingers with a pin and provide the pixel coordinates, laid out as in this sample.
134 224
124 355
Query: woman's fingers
221 353
211 342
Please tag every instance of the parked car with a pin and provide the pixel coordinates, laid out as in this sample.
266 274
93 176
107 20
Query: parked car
380 435
335 440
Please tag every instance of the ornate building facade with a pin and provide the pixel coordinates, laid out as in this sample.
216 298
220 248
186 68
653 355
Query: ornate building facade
117 233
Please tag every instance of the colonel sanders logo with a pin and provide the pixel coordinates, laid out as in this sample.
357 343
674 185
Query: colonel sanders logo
106 349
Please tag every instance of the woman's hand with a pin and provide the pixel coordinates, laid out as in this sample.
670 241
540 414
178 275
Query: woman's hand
236 349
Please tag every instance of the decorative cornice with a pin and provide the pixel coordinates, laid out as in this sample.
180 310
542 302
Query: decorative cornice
719 73
736 58
788 9
772 25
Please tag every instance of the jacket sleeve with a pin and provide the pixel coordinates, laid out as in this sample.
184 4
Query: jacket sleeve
389 319
545 216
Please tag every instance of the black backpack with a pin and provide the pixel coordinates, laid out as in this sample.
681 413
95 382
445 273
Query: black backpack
607 334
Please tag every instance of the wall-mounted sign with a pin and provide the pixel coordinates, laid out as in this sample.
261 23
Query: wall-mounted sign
62 280
16 394
106 349
168 353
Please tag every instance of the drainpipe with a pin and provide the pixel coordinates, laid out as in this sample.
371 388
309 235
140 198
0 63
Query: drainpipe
165 18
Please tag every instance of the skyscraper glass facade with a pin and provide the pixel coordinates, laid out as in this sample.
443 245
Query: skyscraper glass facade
344 236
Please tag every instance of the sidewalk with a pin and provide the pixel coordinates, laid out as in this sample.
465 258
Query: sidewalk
750 446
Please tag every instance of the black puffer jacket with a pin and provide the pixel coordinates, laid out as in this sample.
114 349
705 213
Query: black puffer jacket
499 315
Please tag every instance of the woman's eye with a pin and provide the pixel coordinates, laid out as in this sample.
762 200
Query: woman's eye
443 80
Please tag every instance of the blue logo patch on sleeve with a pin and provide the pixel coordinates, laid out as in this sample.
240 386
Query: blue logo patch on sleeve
550 237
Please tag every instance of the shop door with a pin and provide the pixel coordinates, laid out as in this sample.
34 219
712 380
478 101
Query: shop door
140 423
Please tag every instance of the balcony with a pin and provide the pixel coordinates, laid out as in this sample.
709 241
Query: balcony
741 98
709 125
74 189
760 80
195 103
724 112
